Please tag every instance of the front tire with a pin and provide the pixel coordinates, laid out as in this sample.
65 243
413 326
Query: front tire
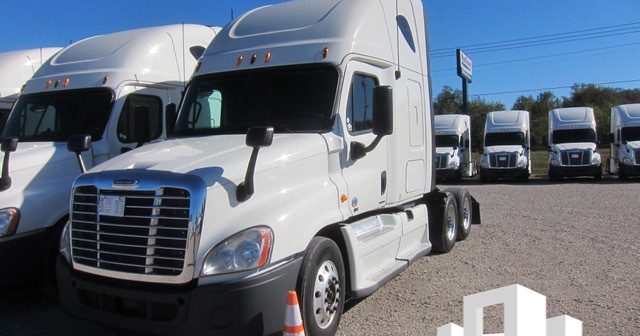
443 225
322 286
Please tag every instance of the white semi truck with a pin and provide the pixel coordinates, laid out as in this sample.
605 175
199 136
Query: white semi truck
625 141
121 89
573 143
303 160
453 147
507 146
16 68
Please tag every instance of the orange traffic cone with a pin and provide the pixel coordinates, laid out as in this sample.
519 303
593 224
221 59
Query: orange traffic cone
292 319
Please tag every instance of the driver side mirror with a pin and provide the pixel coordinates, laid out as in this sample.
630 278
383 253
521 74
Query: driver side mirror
383 110
78 144
141 124
257 137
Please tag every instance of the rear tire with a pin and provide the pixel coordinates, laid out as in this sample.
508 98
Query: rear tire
465 211
444 231
322 286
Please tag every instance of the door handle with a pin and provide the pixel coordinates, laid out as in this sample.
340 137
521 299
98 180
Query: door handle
383 182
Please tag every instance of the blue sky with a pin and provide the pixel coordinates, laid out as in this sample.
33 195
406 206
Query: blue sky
452 23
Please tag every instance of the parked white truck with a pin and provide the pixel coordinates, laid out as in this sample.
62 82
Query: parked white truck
573 143
121 89
16 68
453 147
507 146
303 160
625 141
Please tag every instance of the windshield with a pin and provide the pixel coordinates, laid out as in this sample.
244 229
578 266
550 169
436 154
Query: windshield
631 133
292 99
449 140
54 116
4 114
504 139
573 136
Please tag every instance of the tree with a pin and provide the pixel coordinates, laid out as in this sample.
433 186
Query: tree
539 114
449 101
601 99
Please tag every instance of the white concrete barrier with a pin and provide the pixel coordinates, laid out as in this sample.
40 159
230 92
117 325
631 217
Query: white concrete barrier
525 314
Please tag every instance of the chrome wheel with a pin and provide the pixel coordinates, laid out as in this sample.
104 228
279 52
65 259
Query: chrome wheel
451 222
326 294
466 213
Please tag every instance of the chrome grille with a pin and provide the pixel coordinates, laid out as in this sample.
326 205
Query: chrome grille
576 157
150 238
503 160
442 160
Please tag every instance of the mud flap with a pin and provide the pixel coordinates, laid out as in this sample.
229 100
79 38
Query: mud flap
475 218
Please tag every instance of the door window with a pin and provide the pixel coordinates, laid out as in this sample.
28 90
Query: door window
360 104
127 123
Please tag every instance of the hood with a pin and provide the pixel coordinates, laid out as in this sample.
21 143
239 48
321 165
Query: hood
41 177
633 145
577 145
222 155
498 149
36 154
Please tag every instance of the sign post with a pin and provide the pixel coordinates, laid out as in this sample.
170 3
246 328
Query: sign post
465 71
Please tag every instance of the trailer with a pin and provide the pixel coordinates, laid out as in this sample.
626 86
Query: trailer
507 146
625 141
17 67
573 143
302 160
453 147
119 91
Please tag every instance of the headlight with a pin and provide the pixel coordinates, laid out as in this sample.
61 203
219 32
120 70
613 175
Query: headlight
454 164
65 243
555 162
246 250
523 162
596 159
627 161
9 218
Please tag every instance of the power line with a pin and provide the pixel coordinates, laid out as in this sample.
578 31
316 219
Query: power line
535 37
555 39
541 43
517 60
552 88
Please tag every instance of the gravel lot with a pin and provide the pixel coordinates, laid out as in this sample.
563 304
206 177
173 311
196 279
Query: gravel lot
575 242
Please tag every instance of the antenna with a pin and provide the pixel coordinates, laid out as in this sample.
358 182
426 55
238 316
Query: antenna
40 57
398 73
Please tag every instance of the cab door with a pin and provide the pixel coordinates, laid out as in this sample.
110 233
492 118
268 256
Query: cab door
141 118
366 178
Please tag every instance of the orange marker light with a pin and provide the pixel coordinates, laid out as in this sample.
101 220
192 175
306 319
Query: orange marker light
47 84
56 84
266 249
344 198
239 60
267 57
66 82
254 57
325 52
